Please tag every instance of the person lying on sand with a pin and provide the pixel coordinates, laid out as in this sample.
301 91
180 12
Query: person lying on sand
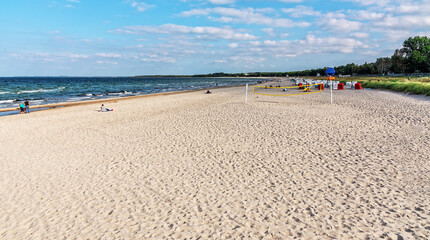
104 109
208 92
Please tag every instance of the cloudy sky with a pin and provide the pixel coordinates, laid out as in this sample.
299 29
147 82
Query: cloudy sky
127 38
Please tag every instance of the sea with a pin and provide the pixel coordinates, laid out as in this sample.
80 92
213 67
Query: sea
48 90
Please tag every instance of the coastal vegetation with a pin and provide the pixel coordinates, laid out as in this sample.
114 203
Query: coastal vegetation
410 85
406 87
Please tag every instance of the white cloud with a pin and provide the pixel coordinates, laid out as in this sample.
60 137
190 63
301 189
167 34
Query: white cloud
49 57
253 53
310 45
247 36
270 43
393 35
233 45
291 1
156 58
247 59
272 33
360 35
300 11
196 12
221 1
202 32
371 53
337 25
73 55
371 2
108 55
106 62
404 22
410 7
269 31
366 15
141 6
265 10
247 16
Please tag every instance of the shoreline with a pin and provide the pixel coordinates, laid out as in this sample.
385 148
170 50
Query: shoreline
45 92
45 107
109 100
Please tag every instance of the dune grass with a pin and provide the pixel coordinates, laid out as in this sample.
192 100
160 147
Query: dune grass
421 88
411 85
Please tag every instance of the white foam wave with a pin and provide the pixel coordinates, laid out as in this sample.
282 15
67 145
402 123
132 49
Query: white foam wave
77 99
6 101
42 90
119 93
2 93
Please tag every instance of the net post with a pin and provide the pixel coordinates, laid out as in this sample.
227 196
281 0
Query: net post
246 94
331 92
330 72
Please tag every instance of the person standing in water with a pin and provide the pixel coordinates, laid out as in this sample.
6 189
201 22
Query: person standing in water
27 106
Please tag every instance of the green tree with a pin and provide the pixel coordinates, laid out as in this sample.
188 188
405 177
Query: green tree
417 54
398 62
383 64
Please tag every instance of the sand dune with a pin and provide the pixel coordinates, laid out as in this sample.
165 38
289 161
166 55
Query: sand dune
207 166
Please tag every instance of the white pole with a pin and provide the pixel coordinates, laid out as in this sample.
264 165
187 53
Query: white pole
246 94
331 92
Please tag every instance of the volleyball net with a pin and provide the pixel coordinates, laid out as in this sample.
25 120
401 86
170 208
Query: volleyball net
288 90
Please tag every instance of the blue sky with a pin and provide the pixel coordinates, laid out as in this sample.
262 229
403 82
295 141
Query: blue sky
127 37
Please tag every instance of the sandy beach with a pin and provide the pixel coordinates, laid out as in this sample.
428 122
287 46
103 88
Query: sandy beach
208 166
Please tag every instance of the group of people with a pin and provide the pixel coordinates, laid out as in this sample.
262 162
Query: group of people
24 107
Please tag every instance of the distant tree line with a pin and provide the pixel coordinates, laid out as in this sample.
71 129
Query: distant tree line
413 57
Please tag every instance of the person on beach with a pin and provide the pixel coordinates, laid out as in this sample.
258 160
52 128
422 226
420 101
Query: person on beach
27 106
21 108
104 109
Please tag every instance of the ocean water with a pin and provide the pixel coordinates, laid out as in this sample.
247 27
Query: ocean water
46 90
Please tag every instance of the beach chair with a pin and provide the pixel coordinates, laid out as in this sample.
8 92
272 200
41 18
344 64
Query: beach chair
335 85
353 85
348 85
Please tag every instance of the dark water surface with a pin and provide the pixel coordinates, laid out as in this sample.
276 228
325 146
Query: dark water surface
47 90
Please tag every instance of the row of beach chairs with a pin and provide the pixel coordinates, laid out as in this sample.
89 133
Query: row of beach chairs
348 85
